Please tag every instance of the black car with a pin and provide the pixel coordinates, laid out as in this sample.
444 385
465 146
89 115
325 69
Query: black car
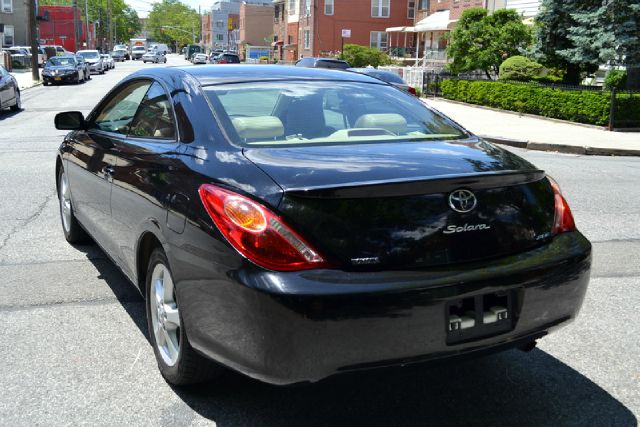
85 65
337 64
294 223
9 91
63 69
119 55
387 76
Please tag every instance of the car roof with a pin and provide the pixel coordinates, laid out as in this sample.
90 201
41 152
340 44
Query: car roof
238 73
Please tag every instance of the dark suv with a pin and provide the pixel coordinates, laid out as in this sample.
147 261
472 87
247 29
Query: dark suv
323 63
226 58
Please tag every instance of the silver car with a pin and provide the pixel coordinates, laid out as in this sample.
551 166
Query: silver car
154 56
108 61
94 60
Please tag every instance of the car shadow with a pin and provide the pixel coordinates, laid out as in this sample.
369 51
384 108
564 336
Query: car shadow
509 388
5 114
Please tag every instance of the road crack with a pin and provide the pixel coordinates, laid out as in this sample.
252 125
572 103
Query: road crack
26 221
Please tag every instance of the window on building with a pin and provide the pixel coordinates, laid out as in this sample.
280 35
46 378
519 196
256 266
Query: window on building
423 5
380 8
292 7
328 7
220 37
378 40
8 35
307 8
411 9
7 6
307 39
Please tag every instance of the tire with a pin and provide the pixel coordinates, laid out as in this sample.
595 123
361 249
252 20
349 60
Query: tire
178 362
102 71
18 105
73 231
77 79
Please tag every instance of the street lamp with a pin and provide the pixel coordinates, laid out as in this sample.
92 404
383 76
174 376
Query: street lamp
192 32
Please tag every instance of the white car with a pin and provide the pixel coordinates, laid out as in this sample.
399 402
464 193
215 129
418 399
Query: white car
154 56
108 60
94 60
200 58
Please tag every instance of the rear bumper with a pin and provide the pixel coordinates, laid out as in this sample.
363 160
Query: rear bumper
68 78
294 327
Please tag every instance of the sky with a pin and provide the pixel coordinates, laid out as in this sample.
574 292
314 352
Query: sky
144 6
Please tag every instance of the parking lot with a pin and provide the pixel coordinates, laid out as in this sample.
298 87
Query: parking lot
75 348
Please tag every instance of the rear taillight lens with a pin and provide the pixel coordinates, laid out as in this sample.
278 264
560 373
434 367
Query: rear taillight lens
563 218
257 233
222 61
412 91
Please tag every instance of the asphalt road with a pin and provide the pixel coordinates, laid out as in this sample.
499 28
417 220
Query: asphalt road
74 350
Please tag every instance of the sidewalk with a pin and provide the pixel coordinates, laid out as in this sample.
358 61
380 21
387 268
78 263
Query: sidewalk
24 78
538 133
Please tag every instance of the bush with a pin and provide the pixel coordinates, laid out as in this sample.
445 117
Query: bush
582 107
520 68
361 56
616 79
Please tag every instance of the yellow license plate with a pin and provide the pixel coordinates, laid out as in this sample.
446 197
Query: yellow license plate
57 78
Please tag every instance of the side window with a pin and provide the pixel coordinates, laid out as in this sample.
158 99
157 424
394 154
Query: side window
154 119
117 114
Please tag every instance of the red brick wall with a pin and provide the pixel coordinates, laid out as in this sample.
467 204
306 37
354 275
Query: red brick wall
291 54
458 6
355 15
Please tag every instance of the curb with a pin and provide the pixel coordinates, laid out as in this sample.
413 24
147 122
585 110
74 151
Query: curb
561 148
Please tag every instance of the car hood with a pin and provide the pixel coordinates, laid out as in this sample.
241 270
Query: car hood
59 68
310 167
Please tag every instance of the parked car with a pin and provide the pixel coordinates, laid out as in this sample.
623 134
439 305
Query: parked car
64 69
9 91
121 49
379 233
323 63
42 56
118 55
138 52
154 56
387 76
94 60
84 64
199 58
160 47
226 58
108 61
60 51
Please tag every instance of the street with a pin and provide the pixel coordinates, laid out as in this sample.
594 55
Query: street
75 350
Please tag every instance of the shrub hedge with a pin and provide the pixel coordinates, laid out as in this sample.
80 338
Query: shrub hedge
582 107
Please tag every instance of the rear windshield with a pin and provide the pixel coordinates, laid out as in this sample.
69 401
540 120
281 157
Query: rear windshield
324 112
324 63
386 76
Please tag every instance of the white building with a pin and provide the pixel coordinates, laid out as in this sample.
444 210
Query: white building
527 8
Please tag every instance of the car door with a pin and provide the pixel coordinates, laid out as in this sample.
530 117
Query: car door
145 171
92 159
5 88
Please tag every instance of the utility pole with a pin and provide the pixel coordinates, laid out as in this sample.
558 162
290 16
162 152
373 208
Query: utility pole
33 38
109 43
75 25
86 17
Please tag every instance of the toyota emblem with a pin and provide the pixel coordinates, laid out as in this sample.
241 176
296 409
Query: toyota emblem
462 201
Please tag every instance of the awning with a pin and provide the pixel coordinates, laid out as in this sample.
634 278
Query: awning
438 21
400 30
277 43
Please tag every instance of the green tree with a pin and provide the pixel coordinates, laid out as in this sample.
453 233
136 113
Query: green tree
362 56
607 32
172 21
520 68
483 41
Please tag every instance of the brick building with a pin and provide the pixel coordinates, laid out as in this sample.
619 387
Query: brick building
279 29
205 29
256 23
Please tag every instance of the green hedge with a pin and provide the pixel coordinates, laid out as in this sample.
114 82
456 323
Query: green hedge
582 107
627 110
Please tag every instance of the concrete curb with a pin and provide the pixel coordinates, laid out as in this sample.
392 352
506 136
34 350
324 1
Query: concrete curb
561 148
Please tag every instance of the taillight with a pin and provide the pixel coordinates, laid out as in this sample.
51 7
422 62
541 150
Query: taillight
412 91
222 61
563 218
257 233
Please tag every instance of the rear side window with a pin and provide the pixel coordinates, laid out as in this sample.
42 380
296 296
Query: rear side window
154 118
118 113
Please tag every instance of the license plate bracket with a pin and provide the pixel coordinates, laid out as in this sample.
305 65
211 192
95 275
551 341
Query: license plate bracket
479 316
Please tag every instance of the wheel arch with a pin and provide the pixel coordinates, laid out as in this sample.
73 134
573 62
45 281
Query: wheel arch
149 240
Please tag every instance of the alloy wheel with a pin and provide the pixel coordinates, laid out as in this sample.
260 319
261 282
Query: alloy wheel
165 317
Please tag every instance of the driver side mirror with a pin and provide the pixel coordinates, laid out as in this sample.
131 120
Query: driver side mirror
70 120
